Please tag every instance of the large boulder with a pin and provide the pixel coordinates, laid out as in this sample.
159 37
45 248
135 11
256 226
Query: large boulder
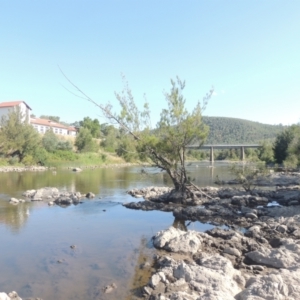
41 194
286 256
213 277
281 285
176 240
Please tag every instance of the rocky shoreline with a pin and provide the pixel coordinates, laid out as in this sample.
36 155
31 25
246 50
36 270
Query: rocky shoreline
253 253
18 169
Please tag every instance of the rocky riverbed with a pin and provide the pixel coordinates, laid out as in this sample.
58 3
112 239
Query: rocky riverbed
53 196
253 253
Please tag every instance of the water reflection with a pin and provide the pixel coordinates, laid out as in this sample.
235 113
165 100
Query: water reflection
14 216
111 240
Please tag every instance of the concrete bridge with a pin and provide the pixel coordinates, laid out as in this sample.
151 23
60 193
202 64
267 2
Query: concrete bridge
232 146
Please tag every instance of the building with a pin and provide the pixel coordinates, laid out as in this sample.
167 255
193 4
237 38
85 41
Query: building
7 107
43 125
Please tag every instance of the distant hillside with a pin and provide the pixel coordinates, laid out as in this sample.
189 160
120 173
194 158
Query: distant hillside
231 130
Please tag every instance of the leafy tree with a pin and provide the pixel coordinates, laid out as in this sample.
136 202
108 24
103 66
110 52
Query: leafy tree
265 152
50 141
293 151
64 145
282 142
111 138
84 141
166 144
92 125
17 138
249 174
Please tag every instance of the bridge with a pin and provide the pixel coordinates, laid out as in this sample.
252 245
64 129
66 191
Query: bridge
233 146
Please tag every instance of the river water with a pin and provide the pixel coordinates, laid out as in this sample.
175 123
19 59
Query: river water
111 241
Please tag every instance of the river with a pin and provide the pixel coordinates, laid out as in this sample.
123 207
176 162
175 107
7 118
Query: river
110 240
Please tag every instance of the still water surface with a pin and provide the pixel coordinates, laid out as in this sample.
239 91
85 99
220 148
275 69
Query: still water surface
35 239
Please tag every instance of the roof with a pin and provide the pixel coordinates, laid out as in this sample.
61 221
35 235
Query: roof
13 103
50 123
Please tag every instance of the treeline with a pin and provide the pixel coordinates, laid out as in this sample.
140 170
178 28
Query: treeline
284 150
238 131
20 143
95 143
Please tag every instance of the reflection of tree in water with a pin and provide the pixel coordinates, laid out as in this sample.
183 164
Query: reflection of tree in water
180 224
142 271
14 216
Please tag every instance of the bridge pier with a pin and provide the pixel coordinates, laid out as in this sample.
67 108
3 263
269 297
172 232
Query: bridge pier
211 158
242 153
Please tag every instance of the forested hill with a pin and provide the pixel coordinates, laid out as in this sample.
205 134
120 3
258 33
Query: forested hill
231 130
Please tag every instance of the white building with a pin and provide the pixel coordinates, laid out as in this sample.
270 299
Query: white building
7 107
43 125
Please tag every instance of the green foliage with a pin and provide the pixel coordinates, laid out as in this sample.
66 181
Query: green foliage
64 145
285 140
84 141
265 152
50 141
127 150
197 154
248 174
238 131
41 156
165 145
28 160
111 138
92 125
17 138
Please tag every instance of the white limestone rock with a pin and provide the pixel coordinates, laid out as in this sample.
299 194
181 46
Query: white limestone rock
176 240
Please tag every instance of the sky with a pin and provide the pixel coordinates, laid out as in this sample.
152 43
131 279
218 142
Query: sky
247 50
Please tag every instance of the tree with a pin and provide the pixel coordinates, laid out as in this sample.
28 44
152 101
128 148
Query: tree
92 125
111 138
283 141
265 152
50 141
17 138
84 141
166 144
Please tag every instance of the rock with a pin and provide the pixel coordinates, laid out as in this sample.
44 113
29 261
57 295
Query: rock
14 201
232 251
286 256
4 296
281 228
109 288
90 195
251 215
214 276
284 284
51 203
14 296
65 201
147 290
176 240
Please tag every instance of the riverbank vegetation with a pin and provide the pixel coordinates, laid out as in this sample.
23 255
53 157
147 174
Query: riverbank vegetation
98 144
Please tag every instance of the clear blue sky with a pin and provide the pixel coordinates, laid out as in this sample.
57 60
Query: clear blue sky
248 50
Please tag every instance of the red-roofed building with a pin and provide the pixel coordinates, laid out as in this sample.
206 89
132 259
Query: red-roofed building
43 125
7 107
